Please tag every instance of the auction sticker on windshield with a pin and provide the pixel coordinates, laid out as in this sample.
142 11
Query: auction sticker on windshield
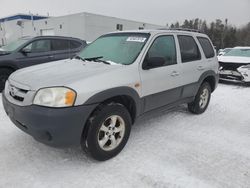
136 39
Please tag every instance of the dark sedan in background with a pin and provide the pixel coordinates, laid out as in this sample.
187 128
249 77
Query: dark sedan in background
30 51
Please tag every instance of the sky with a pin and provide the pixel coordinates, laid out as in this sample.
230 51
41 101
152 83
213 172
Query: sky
158 12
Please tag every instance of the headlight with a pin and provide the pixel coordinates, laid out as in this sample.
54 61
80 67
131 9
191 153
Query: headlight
55 97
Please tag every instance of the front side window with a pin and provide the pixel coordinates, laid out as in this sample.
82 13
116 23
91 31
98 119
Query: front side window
164 48
39 46
207 47
189 49
121 48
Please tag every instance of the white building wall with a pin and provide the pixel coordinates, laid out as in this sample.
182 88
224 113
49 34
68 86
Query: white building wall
97 25
10 31
86 26
71 25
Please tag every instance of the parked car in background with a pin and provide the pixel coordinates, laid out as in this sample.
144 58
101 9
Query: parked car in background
235 65
30 51
223 51
94 98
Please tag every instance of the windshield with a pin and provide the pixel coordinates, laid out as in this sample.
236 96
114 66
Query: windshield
121 48
14 45
239 52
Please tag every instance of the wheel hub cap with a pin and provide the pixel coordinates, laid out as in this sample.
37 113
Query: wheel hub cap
204 98
111 133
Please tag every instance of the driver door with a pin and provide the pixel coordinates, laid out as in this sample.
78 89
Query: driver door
37 52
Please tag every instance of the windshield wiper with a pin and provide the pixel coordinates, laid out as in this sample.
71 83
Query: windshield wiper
97 59
102 61
78 57
93 58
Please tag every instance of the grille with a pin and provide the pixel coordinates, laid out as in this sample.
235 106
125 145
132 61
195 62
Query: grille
231 66
16 93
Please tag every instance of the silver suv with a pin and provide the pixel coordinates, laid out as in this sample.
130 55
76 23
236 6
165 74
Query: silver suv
94 98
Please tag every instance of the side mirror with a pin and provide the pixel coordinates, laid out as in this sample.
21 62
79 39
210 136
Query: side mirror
153 62
26 50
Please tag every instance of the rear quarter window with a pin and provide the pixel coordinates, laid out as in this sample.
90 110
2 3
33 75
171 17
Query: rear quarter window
206 47
75 44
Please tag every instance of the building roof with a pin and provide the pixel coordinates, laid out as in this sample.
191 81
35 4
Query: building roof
22 16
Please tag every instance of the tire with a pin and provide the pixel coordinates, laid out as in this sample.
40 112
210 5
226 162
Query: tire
4 75
106 137
202 99
247 84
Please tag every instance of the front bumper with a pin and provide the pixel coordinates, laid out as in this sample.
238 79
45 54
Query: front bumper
57 127
233 76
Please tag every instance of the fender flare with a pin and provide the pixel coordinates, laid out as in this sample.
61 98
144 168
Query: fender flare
114 92
207 74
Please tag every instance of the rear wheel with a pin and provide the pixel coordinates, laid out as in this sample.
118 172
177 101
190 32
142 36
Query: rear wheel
202 99
4 75
108 131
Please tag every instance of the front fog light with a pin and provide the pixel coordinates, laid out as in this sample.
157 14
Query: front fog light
55 97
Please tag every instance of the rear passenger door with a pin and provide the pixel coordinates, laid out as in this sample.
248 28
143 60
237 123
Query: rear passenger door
192 65
65 48
161 85
61 49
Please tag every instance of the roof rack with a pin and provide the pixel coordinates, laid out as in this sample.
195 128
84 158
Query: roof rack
182 29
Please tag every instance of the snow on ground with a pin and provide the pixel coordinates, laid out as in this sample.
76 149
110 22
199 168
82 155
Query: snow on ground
168 149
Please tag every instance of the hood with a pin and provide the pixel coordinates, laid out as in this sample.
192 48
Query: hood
59 73
234 59
2 53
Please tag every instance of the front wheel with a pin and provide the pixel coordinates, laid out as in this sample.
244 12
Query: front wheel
108 131
202 99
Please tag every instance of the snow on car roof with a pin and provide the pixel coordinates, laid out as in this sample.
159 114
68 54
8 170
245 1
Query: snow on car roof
242 47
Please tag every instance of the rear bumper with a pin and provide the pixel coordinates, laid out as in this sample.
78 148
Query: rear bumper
57 127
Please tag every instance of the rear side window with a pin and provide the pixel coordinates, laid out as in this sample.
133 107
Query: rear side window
189 49
58 44
207 47
75 44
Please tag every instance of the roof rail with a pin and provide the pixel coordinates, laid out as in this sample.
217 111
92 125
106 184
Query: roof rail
182 29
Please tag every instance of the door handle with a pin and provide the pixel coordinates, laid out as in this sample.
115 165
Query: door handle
175 73
200 68
51 56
